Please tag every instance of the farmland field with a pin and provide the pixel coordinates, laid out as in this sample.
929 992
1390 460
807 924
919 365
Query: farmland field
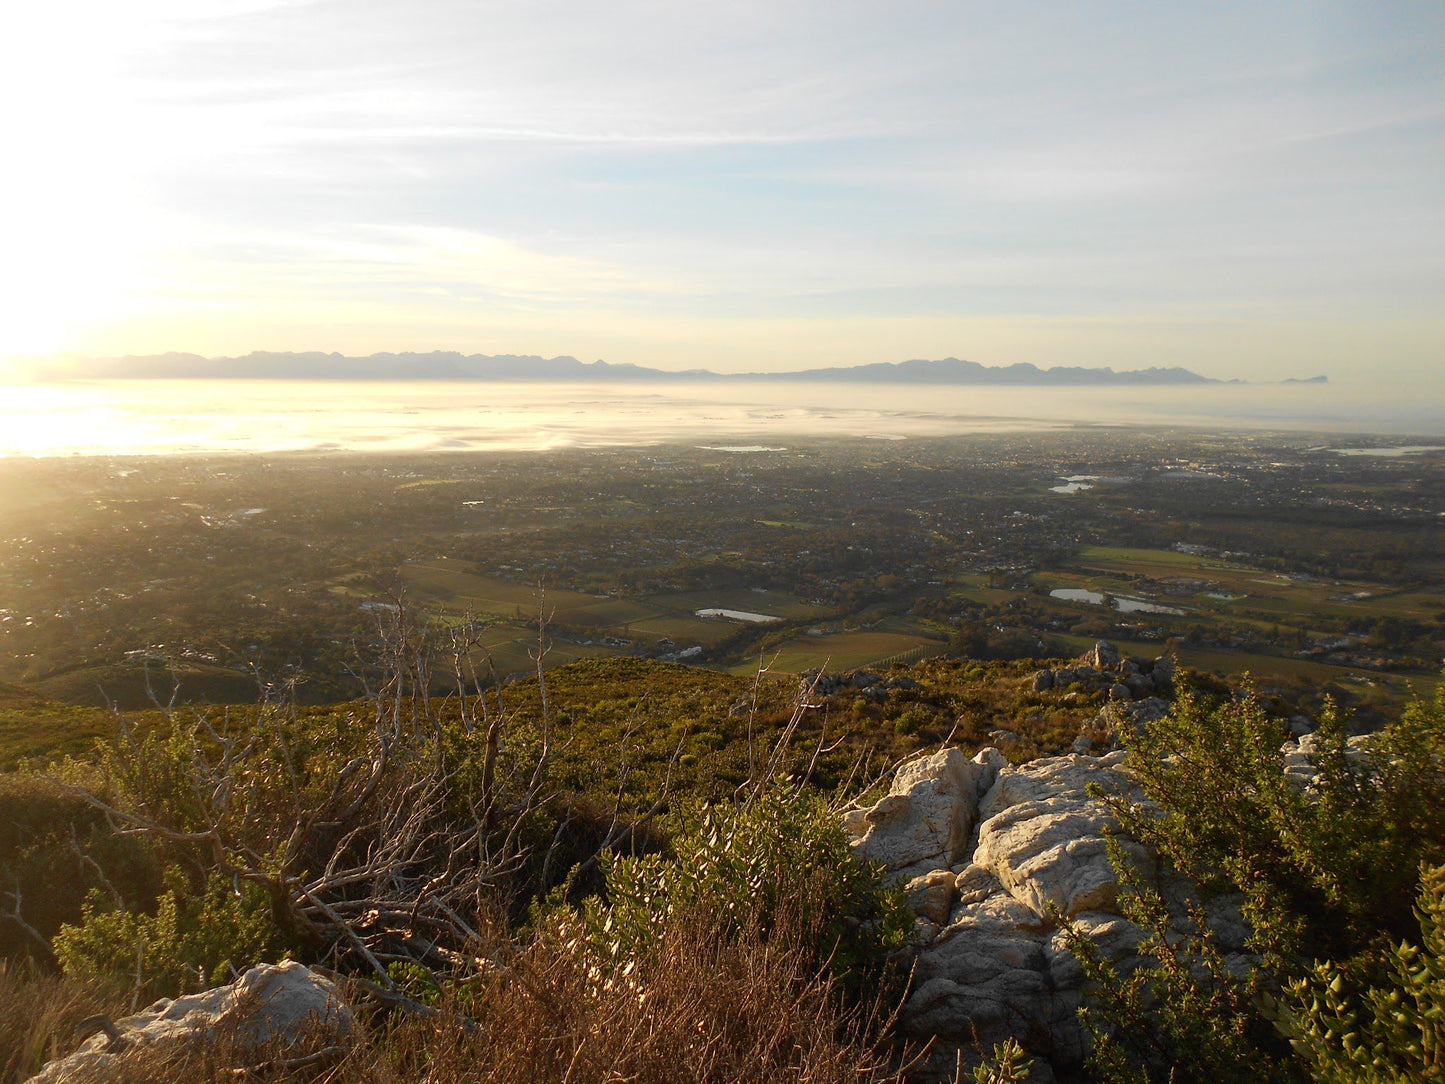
840 651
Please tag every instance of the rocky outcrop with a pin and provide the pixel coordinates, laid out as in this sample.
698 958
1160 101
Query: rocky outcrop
864 683
1105 667
271 1009
1137 691
1301 757
926 820
1012 849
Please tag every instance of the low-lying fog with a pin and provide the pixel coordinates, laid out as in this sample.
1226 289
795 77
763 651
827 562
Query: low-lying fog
158 417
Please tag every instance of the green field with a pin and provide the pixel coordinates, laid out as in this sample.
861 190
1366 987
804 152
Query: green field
452 588
840 651
452 585
1388 687
1265 595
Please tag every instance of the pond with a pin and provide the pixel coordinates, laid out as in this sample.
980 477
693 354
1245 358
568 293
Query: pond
1127 605
1123 603
1078 594
736 615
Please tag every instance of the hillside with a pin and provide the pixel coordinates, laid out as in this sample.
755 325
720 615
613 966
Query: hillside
35 725
630 839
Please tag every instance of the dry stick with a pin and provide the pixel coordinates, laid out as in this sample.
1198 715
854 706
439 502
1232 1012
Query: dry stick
303 1061
397 1000
93 1025
15 916
90 863
404 833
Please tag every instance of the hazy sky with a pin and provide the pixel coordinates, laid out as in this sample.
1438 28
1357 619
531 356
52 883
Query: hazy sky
1251 189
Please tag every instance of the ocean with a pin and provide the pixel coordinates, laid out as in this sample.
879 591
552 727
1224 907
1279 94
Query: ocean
147 417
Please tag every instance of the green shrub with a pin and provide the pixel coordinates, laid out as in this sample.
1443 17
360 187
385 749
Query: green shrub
1184 1017
1007 1065
1325 873
748 865
54 850
191 941
1388 1034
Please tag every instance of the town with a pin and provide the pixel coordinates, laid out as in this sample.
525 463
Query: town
1314 563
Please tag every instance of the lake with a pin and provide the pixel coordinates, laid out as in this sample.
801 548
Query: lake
168 417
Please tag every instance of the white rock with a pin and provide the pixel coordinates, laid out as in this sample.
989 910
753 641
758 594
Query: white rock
931 895
926 820
270 1006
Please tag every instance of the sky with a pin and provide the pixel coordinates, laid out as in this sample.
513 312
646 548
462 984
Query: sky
1249 190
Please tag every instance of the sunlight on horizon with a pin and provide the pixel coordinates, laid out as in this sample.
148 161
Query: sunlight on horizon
754 191
164 417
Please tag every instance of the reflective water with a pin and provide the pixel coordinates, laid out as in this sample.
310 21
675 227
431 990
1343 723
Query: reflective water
158 417
737 615
1078 594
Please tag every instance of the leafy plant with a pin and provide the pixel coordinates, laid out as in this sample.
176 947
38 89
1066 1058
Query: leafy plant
1007 1065
1326 870
1183 1016
1388 1034
191 941
1324 863
746 864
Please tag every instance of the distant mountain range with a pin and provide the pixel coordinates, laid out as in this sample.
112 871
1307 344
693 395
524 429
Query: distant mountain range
445 365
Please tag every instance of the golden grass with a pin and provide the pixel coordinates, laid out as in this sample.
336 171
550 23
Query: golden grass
704 1009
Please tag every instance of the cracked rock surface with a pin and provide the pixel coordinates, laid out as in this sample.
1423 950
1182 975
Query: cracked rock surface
990 853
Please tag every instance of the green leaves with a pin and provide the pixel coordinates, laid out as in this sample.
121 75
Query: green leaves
191 941
1326 864
1383 1034
748 865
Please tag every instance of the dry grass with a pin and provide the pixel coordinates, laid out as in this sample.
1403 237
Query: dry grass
39 1015
703 1009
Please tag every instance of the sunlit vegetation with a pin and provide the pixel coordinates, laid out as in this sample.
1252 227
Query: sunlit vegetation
1287 561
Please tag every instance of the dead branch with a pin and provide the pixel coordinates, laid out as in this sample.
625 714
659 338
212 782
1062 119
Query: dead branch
16 916
381 854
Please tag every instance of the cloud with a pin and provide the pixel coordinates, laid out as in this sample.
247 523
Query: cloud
665 162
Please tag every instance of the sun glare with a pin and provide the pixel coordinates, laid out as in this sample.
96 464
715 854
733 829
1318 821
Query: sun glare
74 208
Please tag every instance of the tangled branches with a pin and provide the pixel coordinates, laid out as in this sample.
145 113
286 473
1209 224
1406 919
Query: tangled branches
380 839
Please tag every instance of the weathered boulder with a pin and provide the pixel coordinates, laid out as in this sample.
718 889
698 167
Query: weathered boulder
926 820
993 963
271 1007
1103 656
1162 673
1042 834
1043 680
1139 685
931 896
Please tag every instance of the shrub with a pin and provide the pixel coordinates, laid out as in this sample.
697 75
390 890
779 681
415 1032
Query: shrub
1184 1017
1325 872
54 850
746 864
192 941
1388 1034
1007 1065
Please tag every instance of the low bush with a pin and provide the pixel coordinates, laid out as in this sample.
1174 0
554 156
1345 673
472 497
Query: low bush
193 940
55 850
1326 872
1388 1034
781 853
